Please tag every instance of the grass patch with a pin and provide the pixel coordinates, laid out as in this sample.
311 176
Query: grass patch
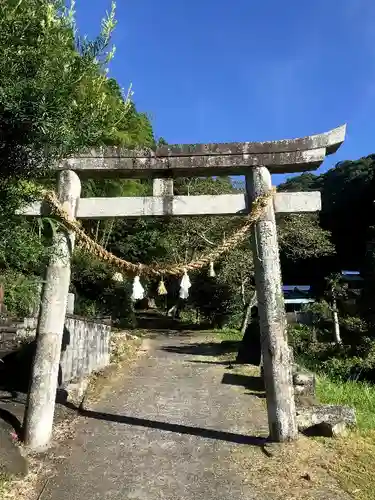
353 457
360 395
349 461
229 339
228 334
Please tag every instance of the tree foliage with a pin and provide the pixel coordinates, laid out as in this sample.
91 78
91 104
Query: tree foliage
55 100
347 209
348 212
301 237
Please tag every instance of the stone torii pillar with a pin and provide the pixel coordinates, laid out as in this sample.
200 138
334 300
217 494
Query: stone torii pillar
272 318
257 161
41 398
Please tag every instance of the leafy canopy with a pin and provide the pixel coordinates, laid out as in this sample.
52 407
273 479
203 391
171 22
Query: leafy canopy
55 96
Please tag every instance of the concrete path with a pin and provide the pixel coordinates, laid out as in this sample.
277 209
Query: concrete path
167 429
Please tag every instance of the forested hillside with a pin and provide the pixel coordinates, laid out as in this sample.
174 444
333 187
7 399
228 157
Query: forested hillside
348 213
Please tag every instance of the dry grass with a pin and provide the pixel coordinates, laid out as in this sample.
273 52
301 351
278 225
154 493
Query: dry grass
123 346
23 488
289 471
29 487
352 464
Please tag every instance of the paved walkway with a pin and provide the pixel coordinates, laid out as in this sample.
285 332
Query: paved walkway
167 429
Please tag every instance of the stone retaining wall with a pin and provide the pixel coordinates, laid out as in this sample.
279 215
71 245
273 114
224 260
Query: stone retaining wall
85 349
85 345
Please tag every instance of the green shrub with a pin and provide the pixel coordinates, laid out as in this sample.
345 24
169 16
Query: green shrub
300 336
212 299
320 312
313 346
343 368
339 362
97 294
189 316
21 292
354 324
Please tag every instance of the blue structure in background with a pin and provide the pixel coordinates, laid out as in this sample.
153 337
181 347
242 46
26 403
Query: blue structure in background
295 296
353 278
355 284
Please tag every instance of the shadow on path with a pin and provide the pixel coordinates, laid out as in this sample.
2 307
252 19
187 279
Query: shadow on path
12 420
202 349
255 385
247 381
229 437
156 321
227 364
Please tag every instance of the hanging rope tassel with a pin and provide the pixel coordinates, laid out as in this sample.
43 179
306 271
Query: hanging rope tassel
211 272
138 290
161 288
185 285
118 277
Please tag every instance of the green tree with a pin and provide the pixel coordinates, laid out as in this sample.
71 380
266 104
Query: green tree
301 237
347 211
55 100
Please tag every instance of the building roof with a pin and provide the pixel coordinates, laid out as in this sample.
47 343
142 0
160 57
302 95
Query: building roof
351 275
304 288
299 294
298 301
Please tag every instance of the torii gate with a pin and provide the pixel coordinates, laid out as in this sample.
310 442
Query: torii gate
256 161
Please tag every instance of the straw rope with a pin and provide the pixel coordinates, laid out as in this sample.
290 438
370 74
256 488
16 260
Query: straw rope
88 244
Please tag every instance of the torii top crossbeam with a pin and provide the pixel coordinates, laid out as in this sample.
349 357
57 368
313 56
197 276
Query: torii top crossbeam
190 160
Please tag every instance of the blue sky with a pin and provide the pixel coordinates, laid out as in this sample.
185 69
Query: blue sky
246 70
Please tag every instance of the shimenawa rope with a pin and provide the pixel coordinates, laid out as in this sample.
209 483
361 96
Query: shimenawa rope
88 244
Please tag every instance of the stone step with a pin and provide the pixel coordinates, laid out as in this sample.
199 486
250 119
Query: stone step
326 420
